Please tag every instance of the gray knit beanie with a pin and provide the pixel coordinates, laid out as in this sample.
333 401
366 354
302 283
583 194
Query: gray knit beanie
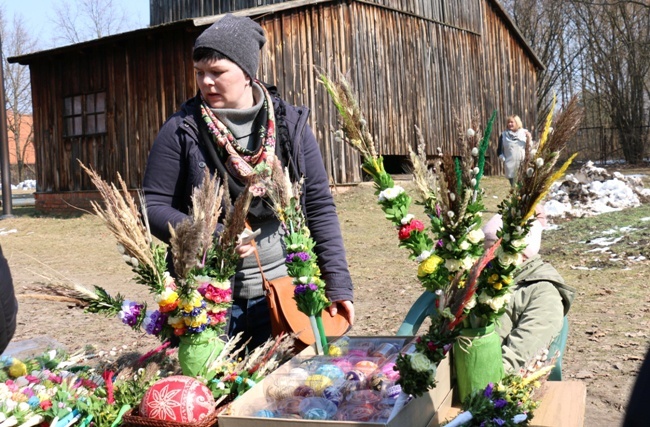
239 38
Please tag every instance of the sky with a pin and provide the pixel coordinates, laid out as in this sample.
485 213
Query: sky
37 15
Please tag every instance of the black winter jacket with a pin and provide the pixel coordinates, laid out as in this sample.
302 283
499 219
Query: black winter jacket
179 157
8 304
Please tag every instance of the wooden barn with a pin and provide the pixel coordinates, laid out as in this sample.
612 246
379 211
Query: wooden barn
412 62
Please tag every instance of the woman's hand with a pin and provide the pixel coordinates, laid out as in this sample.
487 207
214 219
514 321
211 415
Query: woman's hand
244 249
346 306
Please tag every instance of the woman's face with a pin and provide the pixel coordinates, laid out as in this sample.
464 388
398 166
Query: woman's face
223 84
512 125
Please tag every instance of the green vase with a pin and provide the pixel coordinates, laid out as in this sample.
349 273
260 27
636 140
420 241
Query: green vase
477 359
197 351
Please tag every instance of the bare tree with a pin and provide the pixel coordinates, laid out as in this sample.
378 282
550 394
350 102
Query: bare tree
82 20
616 60
548 28
17 40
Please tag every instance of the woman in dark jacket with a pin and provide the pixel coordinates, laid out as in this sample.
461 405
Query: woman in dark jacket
236 126
8 304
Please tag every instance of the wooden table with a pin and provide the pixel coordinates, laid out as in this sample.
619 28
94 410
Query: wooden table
563 405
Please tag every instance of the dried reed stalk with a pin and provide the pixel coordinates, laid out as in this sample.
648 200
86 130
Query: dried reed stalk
123 218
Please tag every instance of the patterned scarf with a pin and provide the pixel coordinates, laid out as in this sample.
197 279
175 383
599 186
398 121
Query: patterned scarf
252 167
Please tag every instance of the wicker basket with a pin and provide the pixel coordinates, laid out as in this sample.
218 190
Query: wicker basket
132 418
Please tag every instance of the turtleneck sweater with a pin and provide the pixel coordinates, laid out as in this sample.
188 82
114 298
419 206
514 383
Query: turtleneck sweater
245 124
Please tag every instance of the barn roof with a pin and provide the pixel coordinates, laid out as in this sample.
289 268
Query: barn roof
254 12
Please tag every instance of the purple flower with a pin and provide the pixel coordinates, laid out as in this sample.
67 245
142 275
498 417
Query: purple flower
500 403
298 256
198 329
130 312
154 322
488 390
498 421
302 289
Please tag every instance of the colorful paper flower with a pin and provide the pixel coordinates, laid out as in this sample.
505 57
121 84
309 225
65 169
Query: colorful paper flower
130 312
429 265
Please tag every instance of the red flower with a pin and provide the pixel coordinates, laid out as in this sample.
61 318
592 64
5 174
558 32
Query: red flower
46 404
405 232
432 346
179 331
168 307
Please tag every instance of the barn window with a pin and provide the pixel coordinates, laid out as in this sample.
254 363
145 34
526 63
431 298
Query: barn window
84 114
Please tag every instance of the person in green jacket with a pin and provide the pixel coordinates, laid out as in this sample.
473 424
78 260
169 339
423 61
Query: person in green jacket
540 300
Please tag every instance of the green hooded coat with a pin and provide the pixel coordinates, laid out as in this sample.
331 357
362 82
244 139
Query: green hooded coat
535 314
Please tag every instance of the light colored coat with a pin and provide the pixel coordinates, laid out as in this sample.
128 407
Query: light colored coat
514 148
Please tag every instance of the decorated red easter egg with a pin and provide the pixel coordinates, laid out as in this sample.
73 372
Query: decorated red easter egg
177 398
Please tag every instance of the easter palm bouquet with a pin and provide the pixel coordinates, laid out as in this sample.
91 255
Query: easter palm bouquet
518 211
301 260
472 286
193 304
511 401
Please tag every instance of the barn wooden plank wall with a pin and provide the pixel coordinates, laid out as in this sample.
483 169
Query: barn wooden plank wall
144 84
164 11
407 71
412 62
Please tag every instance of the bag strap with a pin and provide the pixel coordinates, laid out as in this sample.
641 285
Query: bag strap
265 283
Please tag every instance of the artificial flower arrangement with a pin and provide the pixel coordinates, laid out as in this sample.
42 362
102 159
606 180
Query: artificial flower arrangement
537 173
509 402
301 260
61 389
438 267
451 197
194 305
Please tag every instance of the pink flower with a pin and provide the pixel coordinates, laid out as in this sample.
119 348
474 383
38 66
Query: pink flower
218 317
416 225
217 295
55 379
32 379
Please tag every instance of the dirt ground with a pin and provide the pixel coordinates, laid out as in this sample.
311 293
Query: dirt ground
44 251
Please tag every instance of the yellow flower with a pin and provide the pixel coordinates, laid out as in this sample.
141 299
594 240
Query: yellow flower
493 279
191 301
196 321
166 297
497 286
17 369
429 265
507 280
176 322
19 397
